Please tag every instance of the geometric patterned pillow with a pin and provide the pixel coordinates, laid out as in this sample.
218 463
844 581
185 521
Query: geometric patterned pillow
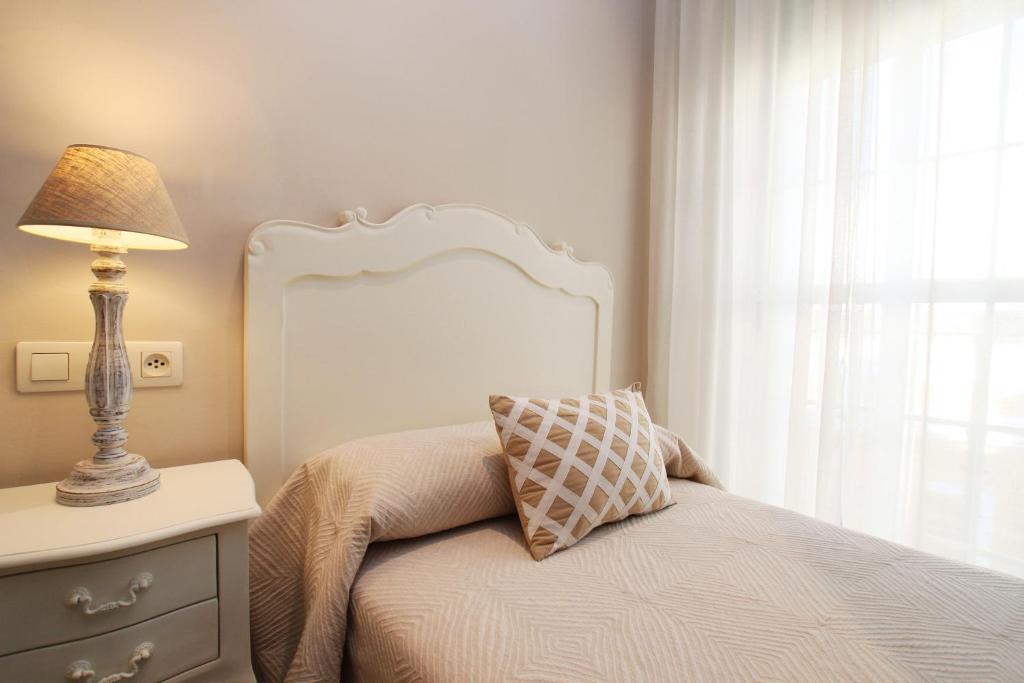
577 463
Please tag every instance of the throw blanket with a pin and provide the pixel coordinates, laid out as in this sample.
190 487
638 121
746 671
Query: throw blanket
308 546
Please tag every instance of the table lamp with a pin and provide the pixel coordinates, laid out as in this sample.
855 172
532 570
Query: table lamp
113 201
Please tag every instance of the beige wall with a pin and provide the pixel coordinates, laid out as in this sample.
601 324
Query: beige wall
257 110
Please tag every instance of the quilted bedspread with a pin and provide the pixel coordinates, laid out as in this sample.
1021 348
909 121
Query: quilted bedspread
714 588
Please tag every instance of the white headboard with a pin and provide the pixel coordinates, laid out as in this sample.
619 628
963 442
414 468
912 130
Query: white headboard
369 328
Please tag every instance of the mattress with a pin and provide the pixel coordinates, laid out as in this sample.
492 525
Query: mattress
715 588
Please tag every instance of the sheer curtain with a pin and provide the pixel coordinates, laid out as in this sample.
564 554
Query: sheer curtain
837 260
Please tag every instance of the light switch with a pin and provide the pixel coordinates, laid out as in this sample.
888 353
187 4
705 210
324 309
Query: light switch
49 367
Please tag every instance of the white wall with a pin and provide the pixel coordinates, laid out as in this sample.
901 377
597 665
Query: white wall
259 109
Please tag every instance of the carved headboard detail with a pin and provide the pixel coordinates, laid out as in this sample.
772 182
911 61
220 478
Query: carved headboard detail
377 327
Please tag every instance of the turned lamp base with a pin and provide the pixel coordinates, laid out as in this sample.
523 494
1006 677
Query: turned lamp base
112 475
91 483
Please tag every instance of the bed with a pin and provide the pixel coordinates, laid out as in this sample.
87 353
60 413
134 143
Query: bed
389 549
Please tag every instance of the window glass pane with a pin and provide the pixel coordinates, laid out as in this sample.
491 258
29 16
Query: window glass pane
924 223
972 67
963 221
1006 380
1015 100
928 126
823 234
1001 521
885 114
1010 239
945 501
816 354
917 353
955 329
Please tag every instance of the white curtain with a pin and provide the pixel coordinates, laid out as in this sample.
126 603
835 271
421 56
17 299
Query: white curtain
837 260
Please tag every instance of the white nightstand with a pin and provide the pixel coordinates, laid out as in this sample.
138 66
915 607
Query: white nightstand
158 585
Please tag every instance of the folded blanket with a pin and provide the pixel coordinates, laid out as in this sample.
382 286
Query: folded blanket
307 547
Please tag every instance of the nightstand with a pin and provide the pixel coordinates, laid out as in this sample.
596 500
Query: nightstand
154 589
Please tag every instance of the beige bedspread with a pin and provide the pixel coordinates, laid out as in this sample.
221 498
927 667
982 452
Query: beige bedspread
716 587
307 547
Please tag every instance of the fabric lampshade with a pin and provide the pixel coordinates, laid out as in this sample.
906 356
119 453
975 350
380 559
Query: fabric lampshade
105 196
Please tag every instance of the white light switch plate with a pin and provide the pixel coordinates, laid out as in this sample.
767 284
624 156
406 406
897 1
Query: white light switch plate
170 372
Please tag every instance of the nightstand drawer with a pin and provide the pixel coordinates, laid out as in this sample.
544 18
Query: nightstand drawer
159 648
56 605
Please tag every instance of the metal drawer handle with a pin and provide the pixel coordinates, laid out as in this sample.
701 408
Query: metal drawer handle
82 598
82 669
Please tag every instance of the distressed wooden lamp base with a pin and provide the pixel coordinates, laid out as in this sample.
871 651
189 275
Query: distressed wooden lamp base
112 475
92 483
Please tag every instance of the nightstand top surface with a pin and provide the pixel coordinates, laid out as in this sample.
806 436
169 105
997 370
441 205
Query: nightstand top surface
35 529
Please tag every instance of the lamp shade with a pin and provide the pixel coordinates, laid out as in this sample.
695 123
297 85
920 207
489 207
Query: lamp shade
105 196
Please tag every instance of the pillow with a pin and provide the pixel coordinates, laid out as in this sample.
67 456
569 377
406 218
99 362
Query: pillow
577 463
306 549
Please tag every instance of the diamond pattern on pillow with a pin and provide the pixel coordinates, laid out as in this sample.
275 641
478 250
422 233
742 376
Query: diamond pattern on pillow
577 463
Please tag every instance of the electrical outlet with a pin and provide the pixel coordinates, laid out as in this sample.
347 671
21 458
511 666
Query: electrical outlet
156 364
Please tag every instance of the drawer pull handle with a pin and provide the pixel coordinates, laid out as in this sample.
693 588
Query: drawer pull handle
82 598
82 669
